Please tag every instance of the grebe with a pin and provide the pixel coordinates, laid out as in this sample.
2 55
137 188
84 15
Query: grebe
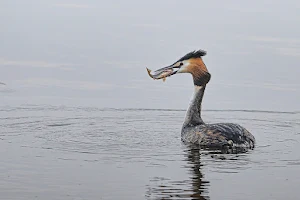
223 136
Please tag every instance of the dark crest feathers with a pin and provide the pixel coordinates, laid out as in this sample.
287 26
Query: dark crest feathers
193 54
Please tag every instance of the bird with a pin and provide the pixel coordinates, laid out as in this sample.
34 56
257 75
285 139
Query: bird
227 137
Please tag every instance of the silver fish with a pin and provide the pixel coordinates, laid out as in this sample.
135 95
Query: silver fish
160 74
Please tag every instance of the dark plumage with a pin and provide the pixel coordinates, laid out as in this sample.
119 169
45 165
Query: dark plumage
193 54
224 136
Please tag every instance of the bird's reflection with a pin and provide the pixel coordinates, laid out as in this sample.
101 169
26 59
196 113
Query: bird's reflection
193 188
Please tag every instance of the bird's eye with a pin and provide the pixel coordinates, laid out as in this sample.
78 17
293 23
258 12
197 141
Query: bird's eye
181 64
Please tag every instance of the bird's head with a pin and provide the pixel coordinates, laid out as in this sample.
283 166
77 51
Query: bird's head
190 63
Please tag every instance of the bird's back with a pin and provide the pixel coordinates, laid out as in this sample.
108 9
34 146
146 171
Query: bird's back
219 136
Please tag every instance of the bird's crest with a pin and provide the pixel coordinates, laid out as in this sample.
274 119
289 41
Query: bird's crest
193 54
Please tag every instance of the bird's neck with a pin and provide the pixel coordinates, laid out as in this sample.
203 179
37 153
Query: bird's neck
193 115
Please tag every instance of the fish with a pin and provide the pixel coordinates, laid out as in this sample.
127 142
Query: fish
161 74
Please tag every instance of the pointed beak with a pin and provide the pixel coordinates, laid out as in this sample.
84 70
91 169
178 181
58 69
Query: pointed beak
163 72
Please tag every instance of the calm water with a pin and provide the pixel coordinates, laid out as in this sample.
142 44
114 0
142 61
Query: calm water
89 153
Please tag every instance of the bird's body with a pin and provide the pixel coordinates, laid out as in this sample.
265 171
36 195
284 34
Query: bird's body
223 136
213 136
219 136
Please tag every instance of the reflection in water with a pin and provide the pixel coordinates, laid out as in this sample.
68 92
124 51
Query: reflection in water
195 188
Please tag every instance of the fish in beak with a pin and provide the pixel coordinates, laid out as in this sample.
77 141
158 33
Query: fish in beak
163 73
190 63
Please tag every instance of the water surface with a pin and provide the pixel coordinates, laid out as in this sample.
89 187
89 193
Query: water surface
52 152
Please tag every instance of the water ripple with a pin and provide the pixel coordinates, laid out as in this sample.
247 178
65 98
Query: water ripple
115 151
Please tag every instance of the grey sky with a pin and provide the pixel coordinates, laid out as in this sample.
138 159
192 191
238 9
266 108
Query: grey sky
95 52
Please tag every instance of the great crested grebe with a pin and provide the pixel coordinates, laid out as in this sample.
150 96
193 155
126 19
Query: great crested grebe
194 130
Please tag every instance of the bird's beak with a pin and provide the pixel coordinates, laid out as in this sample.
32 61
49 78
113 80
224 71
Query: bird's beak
163 73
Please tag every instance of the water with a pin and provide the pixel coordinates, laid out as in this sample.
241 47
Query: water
50 152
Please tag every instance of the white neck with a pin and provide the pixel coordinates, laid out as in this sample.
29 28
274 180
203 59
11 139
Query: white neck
193 114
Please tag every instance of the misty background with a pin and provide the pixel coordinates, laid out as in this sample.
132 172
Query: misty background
94 53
